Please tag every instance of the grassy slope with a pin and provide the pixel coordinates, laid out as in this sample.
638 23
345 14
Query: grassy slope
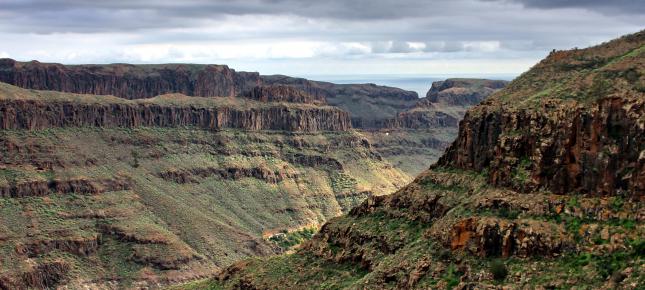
218 220
420 256
213 220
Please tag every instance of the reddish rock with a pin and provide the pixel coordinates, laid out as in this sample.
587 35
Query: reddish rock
570 148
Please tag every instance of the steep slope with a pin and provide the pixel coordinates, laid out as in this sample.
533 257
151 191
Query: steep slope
463 92
417 136
129 81
100 191
542 189
367 103
22 109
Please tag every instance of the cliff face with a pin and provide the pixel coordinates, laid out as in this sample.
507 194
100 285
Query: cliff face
543 188
463 92
283 93
34 115
444 104
37 112
129 81
573 124
369 105
146 81
562 146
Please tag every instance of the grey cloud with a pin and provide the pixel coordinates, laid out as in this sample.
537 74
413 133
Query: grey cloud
384 26
603 6
46 16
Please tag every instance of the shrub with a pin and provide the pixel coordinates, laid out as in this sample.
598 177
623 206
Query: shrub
498 269
135 157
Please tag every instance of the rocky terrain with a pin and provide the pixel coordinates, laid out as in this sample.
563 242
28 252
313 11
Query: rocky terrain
462 92
541 190
382 112
370 105
121 175
100 191
417 136
34 110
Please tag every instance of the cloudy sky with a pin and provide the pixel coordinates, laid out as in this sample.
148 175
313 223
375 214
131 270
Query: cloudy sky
314 37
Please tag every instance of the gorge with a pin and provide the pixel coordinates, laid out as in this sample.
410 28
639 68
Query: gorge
150 175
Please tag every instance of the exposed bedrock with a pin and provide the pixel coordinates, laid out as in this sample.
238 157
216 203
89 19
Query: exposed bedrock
81 246
33 115
40 276
463 92
282 93
129 81
64 186
491 237
598 149
419 119
233 173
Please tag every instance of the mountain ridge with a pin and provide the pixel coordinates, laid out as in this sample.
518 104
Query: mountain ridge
492 213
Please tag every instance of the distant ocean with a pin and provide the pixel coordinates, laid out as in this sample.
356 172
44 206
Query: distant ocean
418 83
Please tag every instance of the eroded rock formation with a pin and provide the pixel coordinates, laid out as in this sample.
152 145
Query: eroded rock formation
33 115
282 93
463 92
129 81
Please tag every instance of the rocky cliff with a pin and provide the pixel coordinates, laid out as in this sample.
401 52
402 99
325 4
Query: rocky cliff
463 92
32 110
147 81
370 106
573 124
541 190
282 93
443 106
129 81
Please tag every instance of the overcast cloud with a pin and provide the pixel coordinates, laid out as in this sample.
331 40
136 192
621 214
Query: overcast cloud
313 37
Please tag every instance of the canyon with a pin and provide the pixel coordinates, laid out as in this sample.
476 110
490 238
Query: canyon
542 189
116 176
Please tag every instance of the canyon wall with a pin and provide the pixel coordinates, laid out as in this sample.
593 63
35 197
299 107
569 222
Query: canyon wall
129 81
33 115
463 92
282 93
562 147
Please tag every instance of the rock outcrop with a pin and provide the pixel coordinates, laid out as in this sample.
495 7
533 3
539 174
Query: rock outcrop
443 106
587 138
40 112
463 92
42 276
129 81
82 185
282 93
232 173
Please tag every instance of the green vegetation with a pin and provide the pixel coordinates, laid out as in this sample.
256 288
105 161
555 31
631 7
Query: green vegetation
207 217
522 173
287 240
498 269
452 276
